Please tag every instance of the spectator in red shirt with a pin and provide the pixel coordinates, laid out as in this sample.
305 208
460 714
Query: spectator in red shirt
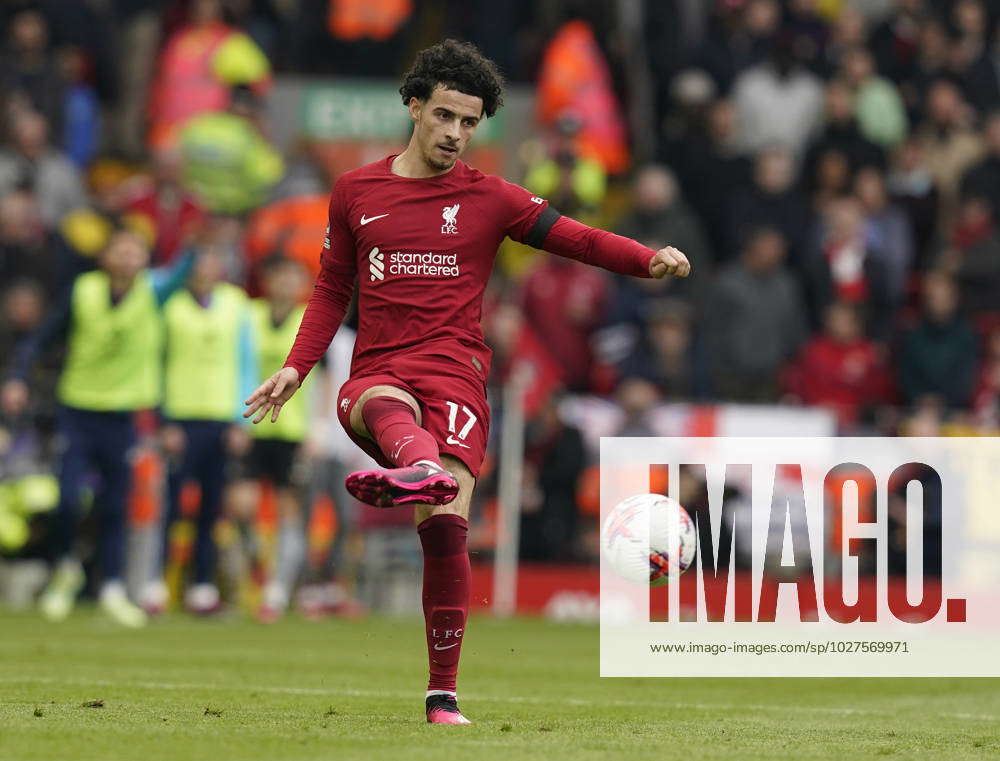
517 349
839 368
565 302
173 212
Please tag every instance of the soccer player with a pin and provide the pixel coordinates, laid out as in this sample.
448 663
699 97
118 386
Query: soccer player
419 231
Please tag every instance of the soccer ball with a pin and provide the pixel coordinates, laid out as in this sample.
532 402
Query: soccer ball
636 542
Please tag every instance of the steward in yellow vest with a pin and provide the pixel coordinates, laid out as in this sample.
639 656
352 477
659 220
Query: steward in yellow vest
209 369
111 318
275 455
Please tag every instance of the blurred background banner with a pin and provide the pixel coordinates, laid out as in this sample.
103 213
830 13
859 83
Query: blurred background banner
350 122
367 111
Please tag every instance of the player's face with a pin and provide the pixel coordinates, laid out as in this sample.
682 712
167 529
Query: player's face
444 124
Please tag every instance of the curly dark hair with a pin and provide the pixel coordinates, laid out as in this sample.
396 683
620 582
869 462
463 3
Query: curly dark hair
458 66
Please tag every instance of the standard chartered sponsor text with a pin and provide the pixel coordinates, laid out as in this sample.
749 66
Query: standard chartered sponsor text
426 264
836 647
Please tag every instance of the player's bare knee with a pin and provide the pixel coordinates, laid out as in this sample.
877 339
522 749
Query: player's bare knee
358 422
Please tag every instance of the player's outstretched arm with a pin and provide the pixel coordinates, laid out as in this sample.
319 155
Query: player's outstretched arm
529 219
331 294
272 394
563 236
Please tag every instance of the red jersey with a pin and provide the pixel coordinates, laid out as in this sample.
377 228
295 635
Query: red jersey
845 376
422 251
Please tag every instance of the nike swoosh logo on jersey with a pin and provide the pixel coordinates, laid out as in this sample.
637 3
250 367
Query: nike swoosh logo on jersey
453 441
445 647
365 221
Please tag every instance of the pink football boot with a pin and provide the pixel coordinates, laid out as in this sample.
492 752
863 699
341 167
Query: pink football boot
423 482
443 709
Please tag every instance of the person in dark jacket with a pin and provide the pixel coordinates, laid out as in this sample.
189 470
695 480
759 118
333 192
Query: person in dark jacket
554 460
772 201
754 320
661 216
938 356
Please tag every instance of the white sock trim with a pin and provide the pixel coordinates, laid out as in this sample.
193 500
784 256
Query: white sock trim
430 464
432 693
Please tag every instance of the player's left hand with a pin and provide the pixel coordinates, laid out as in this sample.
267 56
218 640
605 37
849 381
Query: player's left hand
669 261
272 394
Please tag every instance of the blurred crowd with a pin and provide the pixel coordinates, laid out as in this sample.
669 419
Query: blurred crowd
833 178
831 168
842 169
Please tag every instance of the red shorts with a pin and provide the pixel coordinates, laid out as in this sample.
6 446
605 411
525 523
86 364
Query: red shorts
452 403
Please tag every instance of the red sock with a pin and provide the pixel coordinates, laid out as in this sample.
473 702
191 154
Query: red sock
446 595
394 428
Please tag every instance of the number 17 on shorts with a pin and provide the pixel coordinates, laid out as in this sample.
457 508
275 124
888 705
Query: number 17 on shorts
459 414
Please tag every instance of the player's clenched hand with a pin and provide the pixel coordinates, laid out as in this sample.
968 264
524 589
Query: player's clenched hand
669 261
272 394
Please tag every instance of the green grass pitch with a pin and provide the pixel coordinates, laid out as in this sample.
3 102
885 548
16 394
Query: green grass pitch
232 690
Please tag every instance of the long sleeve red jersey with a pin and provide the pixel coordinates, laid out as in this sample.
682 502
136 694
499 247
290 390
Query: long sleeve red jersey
422 251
